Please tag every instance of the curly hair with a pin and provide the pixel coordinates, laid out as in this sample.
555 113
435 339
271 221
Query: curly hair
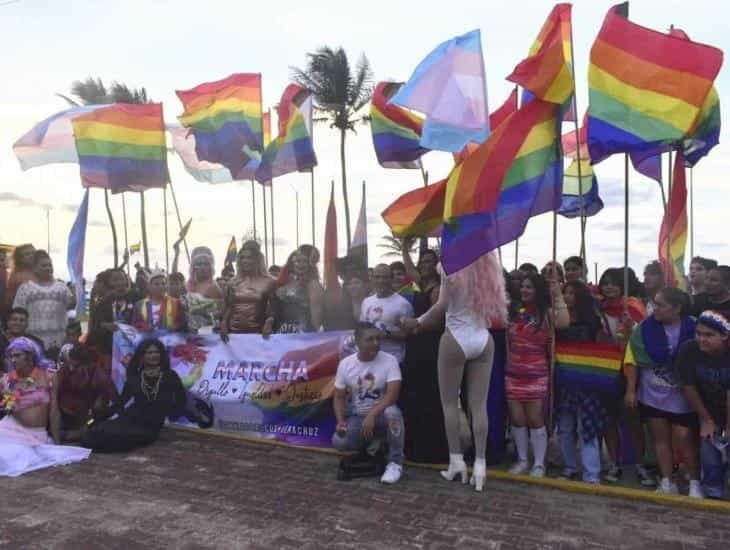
137 362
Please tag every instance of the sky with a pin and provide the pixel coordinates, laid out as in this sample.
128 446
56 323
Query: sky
170 45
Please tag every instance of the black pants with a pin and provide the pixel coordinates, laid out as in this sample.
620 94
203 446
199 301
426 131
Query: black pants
118 435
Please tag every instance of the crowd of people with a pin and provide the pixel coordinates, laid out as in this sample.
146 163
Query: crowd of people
425 350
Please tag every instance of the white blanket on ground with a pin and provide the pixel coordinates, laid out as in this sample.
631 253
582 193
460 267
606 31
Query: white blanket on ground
24 449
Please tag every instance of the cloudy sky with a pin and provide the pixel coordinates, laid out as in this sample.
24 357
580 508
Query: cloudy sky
169 45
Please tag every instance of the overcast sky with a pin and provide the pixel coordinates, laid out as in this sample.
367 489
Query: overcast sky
169 45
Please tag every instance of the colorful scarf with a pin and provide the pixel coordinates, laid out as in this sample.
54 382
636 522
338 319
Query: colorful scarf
172 316
648 345
614 307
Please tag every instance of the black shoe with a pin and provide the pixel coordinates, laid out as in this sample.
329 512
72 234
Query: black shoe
204 414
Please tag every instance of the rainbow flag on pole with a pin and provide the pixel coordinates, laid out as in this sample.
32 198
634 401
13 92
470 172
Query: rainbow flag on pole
292 150
674 227
226 119
418 213
122 147
514 175
646 88
573 185
588 366
396 131
183 141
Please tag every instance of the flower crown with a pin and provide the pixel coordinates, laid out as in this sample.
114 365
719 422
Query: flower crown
715 320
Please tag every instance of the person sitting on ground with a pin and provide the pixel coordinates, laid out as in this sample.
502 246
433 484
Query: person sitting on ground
698 269
653 283
717 293
158 311
384 310
373 379
25 402
298 302
47 301
23 259
704 370
82 390
653 385
151 393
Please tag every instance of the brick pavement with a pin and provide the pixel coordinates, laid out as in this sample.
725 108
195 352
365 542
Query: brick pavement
197 491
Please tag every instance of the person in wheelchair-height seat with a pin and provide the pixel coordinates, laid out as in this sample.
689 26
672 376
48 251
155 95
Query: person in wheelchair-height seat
373 378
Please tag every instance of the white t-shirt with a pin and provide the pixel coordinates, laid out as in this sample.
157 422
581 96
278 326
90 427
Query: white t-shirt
385 313
366 381
46 304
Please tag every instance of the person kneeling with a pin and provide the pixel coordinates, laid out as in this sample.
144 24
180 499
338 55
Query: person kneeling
373 379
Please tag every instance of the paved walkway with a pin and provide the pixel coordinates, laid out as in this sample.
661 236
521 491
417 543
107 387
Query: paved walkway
199 491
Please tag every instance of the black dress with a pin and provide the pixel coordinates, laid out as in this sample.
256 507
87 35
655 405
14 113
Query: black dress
140 423
420 401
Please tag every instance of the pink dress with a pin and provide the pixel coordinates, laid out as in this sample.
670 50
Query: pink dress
527 377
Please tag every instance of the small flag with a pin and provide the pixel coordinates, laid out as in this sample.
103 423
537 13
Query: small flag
231 253
359 245
135 248
418 213
75 254
674 228
450 89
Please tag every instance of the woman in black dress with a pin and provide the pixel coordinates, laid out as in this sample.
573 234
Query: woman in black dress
420 400
155 392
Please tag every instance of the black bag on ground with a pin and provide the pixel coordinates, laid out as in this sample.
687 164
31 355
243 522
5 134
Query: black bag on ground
361 465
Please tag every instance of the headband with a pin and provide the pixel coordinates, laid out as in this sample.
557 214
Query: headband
715 320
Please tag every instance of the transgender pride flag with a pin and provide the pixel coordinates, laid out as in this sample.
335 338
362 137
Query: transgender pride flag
51 140
75 254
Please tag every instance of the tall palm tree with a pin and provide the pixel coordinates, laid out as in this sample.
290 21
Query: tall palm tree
339 92
92 91
394 245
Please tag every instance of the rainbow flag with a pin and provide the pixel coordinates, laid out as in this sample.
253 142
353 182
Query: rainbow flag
707 133
588 366
514 175
449 88
122 147
674 227
547 71
418 213
267 128
646 89
292 150
580 187
226 119
231 253
396 131
51 140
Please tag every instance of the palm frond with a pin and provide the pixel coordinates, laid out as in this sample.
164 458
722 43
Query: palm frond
90 91
121 93
68 100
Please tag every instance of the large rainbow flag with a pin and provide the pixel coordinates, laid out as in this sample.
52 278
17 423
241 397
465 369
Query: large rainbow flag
514 175
226 119
122 147
646 88
588 366
292 150
674 227
396 131
547 71
418 213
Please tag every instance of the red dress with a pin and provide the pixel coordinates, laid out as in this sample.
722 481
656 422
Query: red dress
527 377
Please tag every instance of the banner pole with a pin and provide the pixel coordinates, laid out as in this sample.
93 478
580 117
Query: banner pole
167 238
126 237
266 231
273 239
253 209
312 185
143 223
668 231
113 227
691 214
626 231
179 220
517 253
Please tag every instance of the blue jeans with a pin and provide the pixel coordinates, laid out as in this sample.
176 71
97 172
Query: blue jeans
388 426
591 450
714 470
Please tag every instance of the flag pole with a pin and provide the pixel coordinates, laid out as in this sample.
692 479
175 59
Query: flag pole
296 200
577 151
167 238
273 239
179 220
668 230
113 227
266 231
423 241
517 253
626 230
253 209
126 237
312 185
691 214
143 223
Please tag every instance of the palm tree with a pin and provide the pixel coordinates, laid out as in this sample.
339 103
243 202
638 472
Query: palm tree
340 93
92 91
394 245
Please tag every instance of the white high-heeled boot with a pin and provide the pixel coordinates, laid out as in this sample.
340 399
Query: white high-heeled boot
457 466
479 473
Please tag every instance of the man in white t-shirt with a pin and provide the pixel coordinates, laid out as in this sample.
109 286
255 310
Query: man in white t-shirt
384 310
373 379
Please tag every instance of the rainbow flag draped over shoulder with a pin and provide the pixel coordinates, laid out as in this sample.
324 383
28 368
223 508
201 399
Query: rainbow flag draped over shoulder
674 228
396 131
417 213
225 117
514 175
292 150
122 147
546 72
646 88
171 315
588 366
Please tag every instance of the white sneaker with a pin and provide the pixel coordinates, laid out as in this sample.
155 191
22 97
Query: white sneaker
392 473
695 489
519 467
668 487
538 470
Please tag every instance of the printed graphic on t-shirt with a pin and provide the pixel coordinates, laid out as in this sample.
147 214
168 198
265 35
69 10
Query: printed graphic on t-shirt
366 389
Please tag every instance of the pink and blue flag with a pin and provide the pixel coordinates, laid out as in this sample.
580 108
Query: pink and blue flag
450 89
75 253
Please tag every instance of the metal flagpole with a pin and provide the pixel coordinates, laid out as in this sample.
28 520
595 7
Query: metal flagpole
266 231
273 239
114 228
253 208
143 223
313 228
179 220
691 214
167 239
517 252
668 229
577 152
296 200
626 231
126 236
